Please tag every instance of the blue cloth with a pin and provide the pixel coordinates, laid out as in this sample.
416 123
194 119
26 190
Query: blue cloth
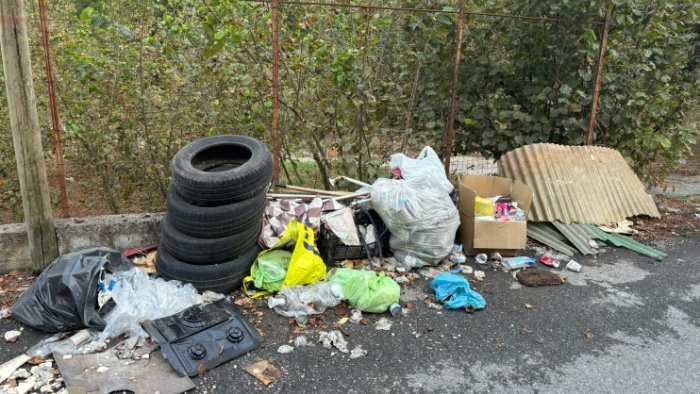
455 292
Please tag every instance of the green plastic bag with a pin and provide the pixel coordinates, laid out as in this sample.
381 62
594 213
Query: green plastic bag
270 269
366 290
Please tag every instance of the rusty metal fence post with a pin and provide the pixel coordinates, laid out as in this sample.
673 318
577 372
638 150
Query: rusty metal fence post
55 124
598 78
449 135
275 93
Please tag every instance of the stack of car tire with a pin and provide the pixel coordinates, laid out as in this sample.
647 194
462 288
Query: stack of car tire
214 212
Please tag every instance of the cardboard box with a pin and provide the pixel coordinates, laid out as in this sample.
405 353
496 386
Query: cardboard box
479 236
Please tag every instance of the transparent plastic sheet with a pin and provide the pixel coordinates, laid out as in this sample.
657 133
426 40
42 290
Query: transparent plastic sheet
426 164
422 219
298 301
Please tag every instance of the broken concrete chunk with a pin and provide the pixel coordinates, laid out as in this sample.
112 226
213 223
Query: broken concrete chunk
12 336
9 367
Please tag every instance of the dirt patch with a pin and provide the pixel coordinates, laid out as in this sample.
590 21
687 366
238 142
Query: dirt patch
12 285
678 218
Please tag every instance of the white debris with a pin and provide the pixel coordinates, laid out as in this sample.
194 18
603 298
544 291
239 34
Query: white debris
402 279
433 305
302 341
285 349
20 374
5 312
46 389
356 316
466 270
429 272
383 324
67 356
43 371
333 338
12 336
357 352
210 296
27 385
102 369
479 275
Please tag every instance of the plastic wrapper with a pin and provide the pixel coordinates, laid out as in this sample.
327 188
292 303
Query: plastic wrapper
427 164
64 296
367 291
298 301
422 219
139 297
455 292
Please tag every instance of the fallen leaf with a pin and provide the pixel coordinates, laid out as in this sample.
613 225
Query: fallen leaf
36 360
364 321
589 335
409 305
340 322
264 371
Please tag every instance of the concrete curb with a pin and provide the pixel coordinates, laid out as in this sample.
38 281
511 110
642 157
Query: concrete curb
115 231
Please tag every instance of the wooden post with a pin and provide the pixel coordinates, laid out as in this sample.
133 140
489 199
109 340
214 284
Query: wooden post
275 93
24 123
449 135
598 79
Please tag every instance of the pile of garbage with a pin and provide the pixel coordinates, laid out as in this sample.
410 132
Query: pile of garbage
161 312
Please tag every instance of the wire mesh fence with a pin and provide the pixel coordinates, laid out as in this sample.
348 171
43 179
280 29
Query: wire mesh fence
359 81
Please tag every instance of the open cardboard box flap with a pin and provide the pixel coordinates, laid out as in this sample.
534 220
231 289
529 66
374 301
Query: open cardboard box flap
478 236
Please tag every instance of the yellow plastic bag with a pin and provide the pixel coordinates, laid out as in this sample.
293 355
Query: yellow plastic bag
305 265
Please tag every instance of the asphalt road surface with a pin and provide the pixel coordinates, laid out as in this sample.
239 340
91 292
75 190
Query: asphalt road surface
625 324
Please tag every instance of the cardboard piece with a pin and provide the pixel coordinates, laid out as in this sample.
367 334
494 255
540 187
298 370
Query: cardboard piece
479 236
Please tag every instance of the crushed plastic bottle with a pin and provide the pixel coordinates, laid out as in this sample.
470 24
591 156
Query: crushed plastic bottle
300 301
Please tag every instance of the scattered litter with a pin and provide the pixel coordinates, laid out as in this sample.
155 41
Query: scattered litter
102 369
264 371
549 260
382 324
466 270
285 349
356 316
5 312
588 335
495 256
402 280
573 266
457 255
70 345
514 263
536 278
429 272
358 352
330 339
302 341
9 367
479 275
481 258
454 291
12 336
27 385
147 263
395 310
528 306
296 301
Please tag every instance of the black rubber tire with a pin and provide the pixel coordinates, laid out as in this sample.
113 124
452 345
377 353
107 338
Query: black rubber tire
203 251
220 278
222 169
214 222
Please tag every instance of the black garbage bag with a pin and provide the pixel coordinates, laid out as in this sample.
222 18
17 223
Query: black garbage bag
64 296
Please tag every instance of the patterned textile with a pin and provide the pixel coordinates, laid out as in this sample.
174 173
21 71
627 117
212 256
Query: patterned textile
278 213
